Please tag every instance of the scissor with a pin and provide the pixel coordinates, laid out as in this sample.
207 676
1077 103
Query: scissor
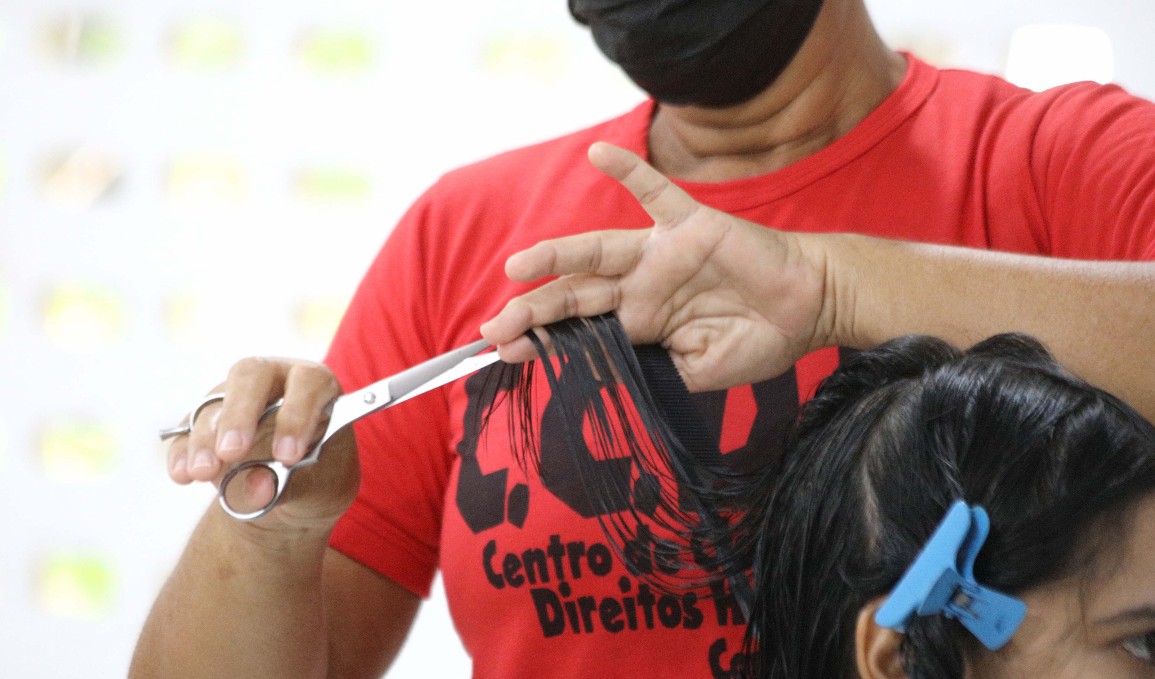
436 372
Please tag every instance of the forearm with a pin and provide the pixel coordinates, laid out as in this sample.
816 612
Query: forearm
1098 318
238 607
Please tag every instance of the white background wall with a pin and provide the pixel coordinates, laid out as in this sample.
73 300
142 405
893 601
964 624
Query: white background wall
207 212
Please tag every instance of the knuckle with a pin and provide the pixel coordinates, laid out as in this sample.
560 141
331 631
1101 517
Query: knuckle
615 294
246 367
570 303
551 257
647 195
319 375
596 256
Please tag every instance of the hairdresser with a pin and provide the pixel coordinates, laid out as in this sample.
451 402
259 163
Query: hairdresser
796 126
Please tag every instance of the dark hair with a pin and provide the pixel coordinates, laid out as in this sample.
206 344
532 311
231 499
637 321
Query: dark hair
618 401
904 430
888 443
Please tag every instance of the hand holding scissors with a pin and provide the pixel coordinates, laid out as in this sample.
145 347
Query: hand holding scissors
238 482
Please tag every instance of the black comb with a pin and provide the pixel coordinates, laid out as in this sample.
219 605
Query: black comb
677 410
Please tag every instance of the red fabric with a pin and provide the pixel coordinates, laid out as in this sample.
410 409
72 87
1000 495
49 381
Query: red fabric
950 157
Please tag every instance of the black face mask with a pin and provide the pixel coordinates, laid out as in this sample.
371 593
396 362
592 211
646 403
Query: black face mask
711 53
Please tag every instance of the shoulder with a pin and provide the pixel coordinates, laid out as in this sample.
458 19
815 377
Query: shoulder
1062 110
529 167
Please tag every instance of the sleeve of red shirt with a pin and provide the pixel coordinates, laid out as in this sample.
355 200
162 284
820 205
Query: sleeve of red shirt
1094 163
394 528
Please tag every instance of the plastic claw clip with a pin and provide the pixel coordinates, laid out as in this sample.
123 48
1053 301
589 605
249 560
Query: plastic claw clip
941 580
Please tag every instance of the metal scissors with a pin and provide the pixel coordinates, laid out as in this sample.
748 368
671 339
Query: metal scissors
436 372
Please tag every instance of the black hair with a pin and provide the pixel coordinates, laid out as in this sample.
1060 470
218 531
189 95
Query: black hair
618 401
876 458
903 431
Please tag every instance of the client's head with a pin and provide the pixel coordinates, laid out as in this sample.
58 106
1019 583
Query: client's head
1065 472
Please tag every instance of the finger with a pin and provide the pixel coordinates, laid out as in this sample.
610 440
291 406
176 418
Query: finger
666 204
252 384
604 253
522 349
566 297
309 390
201 463
177 455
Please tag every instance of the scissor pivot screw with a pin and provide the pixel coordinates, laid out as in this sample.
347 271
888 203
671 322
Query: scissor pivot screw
370 398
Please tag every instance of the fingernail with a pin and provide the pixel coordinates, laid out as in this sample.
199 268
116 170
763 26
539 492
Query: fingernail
230 442
178 465
203 458
285 450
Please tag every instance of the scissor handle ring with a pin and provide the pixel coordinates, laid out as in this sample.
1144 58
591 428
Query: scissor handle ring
187 427
281 475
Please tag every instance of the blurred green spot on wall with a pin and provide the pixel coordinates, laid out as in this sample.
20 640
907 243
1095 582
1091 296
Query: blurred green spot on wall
331 184
82 316
78 452
205 178
82 39
79 178
317 319
539 56
336 52
77 585
207 44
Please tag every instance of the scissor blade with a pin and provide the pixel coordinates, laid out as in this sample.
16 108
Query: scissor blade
404 383
463 369
436 372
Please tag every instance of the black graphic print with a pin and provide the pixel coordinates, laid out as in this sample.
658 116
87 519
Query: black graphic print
486 501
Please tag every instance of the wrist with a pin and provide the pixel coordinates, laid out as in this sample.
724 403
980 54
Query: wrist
856 270
825 256
272 540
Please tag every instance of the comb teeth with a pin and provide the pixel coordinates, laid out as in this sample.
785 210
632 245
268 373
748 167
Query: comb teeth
677 409
692 437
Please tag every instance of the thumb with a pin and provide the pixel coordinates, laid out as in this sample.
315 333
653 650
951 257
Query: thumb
666 204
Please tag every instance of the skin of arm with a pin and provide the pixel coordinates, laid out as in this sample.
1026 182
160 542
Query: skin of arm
296 609
1097 317
270 598
736 302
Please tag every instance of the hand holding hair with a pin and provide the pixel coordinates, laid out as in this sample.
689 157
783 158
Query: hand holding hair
734 302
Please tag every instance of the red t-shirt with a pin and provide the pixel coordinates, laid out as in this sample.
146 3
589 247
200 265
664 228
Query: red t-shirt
533 584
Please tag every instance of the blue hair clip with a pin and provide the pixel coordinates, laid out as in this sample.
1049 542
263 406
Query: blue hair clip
941 580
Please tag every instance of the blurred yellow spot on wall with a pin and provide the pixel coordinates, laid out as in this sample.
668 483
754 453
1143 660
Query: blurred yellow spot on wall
331 185
80 39
317 319
84 317
533 55
78 452
76 585
207 44
78 179
335 52
204 179
182 316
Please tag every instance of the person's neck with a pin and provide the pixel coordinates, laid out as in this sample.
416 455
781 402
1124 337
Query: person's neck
841 74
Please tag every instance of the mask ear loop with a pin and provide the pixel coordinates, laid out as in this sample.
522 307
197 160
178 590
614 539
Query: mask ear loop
941 581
